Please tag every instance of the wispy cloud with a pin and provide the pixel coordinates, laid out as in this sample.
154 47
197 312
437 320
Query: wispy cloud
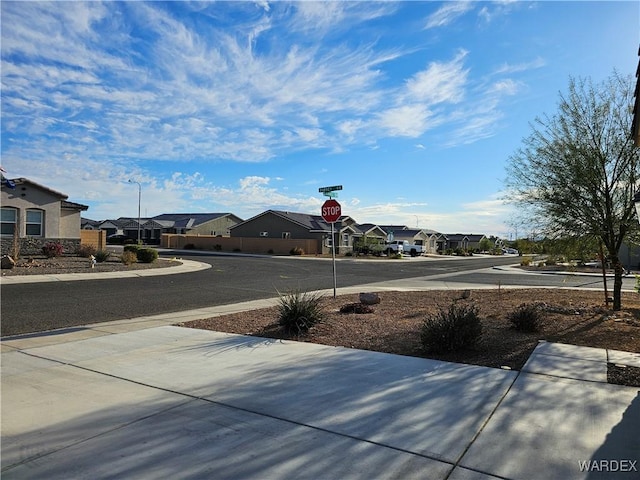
446 14
537 62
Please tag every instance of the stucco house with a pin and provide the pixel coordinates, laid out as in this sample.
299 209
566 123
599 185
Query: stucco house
285 225
469 241
34 215
417 236
217 224
151 229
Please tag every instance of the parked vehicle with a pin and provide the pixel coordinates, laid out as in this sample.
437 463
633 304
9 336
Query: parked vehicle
403 246
119 239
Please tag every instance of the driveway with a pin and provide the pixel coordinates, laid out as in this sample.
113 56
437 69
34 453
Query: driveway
171 402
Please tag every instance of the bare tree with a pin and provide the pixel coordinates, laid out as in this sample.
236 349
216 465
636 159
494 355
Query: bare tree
575 175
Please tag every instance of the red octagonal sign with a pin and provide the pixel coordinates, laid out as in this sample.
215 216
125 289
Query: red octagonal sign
331 211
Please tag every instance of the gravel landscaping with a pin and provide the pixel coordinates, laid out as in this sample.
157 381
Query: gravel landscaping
41 265
567 316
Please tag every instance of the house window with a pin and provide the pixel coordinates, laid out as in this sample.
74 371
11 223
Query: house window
34 223
329 241
9 220
286 235
264 234
345 239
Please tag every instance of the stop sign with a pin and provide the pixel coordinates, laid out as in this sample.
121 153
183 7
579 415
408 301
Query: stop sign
331 211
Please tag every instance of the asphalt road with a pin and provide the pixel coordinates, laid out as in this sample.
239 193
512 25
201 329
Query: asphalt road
44 306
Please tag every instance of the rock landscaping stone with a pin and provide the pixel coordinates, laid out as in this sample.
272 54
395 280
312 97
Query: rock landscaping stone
369 298
7 262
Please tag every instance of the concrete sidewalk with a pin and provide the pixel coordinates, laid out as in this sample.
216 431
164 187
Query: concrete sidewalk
171 402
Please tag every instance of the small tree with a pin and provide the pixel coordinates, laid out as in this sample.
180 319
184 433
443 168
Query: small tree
577 172
485 245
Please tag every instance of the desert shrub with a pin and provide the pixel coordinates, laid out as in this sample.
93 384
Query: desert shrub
396 256
349 254
128 257
270 251
102 255
131 248
86 251
526 318
147 255
296 251
299 311
237 250
217 247
456 328
189 246
52 249
356 308
526 261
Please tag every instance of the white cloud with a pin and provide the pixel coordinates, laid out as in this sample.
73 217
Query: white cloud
504 87
498 7
446 14
406 121
440 82
537 62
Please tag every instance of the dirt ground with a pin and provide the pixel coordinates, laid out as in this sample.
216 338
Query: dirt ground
569 316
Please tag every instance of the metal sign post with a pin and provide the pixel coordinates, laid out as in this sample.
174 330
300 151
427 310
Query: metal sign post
331 212
333 258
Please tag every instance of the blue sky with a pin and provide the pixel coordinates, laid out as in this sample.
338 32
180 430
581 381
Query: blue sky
414 107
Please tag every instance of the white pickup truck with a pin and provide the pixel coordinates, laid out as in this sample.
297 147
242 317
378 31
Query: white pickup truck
402 247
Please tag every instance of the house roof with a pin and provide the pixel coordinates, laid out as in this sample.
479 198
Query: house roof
73 205
472 237
187 220
22 181
313 223
124 222
409 231
393 228
369 228
64 203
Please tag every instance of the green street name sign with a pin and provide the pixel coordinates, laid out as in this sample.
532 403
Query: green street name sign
330 189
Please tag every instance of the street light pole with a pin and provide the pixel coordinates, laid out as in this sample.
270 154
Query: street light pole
139 199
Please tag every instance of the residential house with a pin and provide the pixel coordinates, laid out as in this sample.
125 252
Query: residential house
216 224
151 229
370 235
124 226
466 242
34 215
284 225
88 224
416 236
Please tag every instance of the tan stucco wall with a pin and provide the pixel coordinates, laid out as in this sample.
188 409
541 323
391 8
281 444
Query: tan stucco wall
219 226
25 197
69 224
